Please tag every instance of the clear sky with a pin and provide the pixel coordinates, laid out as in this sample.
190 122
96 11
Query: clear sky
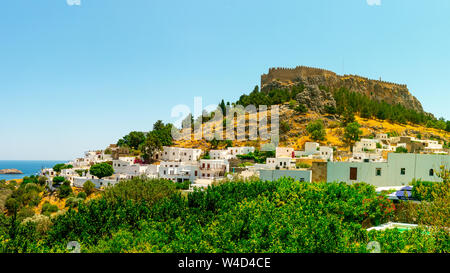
78 77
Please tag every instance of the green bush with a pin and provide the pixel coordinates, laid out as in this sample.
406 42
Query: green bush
88 187
65 190
424 190
82 195
57 180
284 216
301 108
316 130
401 150
48 208
183 185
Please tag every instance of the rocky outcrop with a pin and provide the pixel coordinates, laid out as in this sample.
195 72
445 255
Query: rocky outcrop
314 78
10 171
316 99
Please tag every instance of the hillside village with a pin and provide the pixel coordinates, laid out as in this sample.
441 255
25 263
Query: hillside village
328 143
368 164
390 146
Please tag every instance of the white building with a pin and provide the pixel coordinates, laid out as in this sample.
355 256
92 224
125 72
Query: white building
365 145
129 170
152 171
219 154
314 151
213 168
79 182
180 154
366 157
382 136
234 151
280 162
179 171
284 152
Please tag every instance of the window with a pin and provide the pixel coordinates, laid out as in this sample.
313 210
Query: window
378 172
353 173
431 172
402 171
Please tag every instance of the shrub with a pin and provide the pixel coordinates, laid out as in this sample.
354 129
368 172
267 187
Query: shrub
101 170
82 195
73 202
401 149
302 165
301 108
88 187
183 185
64 190
48 208
57 180
316 130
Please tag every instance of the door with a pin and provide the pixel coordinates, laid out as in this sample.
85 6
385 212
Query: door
353 173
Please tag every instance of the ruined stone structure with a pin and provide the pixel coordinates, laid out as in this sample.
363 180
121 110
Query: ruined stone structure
315 78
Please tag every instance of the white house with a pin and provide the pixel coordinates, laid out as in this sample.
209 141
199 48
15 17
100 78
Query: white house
219 154
365 145
180 154
382 136
326 153
366 157
314 151
79 182
233 151
280 162
129 170
179 171
284 152
152 171
213 168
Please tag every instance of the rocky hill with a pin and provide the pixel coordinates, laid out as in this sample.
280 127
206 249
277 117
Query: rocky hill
10 171
318 81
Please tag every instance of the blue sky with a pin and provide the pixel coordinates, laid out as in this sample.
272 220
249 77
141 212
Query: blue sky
76 78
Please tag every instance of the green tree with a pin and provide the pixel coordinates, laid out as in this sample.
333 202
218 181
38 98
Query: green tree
401 150
101 170
151 146
352 134
133 140
80 172
365 112
57 180
88 187
301 108
316 130
64 190
348 117
59 167
223 107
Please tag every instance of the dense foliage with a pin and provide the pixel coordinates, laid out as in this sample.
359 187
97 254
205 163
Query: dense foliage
316 130
273 97
101 170
369 108
280 216
348 103
257 156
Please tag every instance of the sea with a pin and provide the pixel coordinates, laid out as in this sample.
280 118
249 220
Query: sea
28 167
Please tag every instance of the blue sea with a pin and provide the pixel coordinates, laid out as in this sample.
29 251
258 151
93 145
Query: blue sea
28 167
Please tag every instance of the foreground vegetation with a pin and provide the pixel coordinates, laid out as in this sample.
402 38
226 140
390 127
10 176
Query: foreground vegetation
282 216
